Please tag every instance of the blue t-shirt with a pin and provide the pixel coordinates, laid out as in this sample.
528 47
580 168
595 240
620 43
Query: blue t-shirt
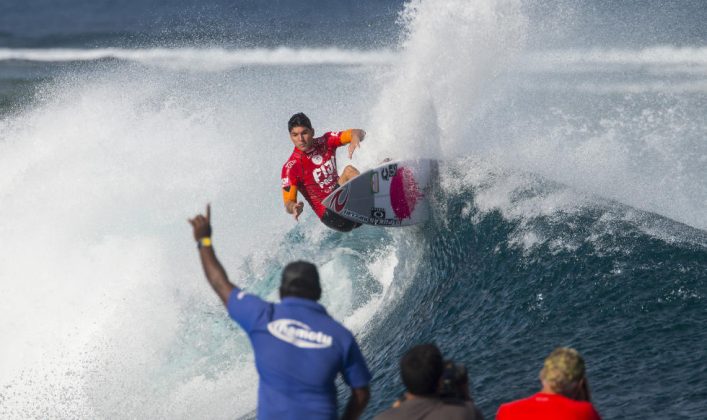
299 350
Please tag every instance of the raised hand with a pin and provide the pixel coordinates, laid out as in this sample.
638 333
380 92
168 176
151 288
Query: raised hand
202 224
356 137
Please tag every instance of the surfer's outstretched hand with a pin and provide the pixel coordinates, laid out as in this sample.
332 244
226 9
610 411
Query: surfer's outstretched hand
356 138
297 210
202 224
352 147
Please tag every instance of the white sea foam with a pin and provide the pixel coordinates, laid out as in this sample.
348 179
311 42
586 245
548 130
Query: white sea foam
664 68
99 179
655 55
205 59
639 87
450 57
665 57
633 135
105 309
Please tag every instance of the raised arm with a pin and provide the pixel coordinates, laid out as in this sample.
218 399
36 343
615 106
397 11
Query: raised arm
215 274
353 138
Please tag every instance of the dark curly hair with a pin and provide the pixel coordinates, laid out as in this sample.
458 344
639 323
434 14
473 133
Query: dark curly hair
299 120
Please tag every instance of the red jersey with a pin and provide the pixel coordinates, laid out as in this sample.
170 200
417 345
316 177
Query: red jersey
314 172
547 407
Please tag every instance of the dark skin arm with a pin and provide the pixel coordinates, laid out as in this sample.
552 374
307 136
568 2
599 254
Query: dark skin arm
357 403
215 274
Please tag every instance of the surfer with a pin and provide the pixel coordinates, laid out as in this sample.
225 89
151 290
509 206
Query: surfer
311 169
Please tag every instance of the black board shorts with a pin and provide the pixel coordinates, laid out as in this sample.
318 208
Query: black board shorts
336 222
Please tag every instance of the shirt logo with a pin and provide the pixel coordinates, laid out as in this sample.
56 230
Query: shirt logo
324 174
299 334
285 182
317 159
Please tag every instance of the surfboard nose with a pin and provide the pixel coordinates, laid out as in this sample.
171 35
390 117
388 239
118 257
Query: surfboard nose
404 193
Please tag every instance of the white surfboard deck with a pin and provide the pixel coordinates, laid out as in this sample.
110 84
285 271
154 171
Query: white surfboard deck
392 194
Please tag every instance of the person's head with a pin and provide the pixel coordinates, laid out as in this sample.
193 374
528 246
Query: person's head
421 368
454 383
300 279
301 131
563 372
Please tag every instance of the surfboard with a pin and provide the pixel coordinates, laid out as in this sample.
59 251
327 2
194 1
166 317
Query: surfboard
392 194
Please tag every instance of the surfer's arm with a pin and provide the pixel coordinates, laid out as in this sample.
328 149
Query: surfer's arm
353 138
289 188
214 271
292 206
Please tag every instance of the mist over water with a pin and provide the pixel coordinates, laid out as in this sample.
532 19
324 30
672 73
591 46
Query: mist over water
579 166
449 54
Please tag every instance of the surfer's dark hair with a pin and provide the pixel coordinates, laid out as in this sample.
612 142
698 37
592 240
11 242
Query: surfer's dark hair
299 120
420 369
300 279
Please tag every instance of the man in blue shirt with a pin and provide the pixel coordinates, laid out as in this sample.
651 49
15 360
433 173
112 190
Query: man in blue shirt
299 349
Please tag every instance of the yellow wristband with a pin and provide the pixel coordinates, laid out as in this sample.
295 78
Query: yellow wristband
204 242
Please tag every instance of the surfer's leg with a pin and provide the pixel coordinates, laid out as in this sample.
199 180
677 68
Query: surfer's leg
338 223
348 173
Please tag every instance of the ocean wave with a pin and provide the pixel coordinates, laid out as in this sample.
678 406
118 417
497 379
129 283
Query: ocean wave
689 59
641 87
513 260
205 58
670 58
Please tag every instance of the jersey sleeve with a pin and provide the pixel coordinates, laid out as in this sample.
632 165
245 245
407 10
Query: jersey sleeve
289 180
356 373
335 139
245 308
501 414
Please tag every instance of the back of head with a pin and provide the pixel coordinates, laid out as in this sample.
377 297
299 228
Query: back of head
562 370
421 368
299 120
300 279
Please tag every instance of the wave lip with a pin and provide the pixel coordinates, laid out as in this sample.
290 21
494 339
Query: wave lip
215 58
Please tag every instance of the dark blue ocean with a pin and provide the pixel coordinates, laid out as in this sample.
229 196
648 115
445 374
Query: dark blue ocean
570 210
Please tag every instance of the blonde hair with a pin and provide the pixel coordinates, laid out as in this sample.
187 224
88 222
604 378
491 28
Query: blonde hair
563 369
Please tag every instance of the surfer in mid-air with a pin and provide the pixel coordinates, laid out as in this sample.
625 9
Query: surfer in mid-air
311 169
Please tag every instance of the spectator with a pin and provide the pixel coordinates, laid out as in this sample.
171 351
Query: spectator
299 349
423 373
564 394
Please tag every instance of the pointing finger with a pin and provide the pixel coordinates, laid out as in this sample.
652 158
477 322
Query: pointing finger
208 212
